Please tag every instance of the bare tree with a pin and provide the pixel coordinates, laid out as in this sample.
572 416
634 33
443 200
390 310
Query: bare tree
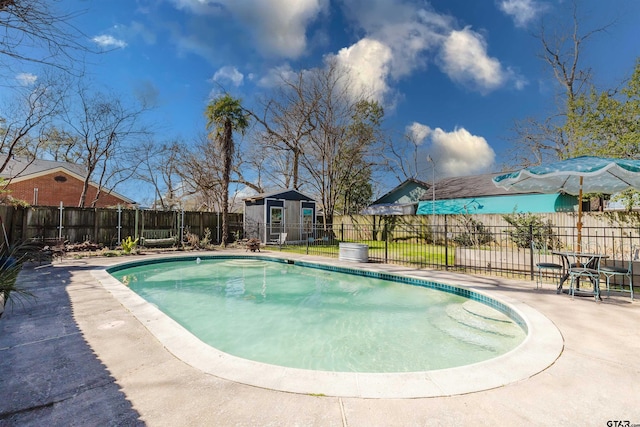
25 128
287 119
538 140
346 141
406 159
104 126
159 166
323 136
38 31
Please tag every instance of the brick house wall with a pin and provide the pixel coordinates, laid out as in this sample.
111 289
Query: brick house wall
59 187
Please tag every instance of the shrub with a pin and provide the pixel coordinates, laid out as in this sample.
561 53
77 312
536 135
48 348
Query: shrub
129 245
475 233
528 227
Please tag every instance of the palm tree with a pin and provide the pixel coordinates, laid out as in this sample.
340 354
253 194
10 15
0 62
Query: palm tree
224 116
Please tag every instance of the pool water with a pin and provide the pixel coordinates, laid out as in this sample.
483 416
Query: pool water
310 318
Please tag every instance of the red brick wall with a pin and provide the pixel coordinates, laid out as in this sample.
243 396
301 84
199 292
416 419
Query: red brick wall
52 192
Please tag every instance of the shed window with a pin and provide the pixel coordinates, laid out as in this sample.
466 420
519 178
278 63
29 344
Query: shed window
60 178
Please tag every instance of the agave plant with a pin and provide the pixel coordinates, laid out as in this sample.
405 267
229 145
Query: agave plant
12 257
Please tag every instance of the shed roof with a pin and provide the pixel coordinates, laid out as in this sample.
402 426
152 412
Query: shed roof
470 186
279 194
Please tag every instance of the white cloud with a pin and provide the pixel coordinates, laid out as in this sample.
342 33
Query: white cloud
409 38
275 76
418 132
278 27
522 11
229 74
464 59
408 31
26 79
368 63
109 41
458 153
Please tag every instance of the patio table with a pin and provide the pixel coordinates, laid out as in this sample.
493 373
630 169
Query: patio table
595 260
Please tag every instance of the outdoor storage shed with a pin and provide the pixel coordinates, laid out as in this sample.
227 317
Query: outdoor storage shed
267 216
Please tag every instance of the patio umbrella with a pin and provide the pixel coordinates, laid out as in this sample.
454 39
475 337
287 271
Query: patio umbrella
574 176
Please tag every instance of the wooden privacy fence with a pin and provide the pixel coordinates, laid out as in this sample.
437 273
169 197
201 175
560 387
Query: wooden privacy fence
109 226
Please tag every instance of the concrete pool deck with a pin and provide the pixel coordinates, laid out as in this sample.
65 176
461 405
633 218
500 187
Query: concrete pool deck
77 356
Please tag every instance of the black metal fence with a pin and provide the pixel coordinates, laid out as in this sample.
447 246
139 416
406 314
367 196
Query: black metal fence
464 246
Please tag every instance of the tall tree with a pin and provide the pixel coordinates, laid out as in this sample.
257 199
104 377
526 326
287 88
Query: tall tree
607 123
225 116
325 134
548 138
27 120
346 139
160 167
287 119
106 128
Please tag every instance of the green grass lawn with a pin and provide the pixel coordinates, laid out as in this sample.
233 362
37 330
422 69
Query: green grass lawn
401 252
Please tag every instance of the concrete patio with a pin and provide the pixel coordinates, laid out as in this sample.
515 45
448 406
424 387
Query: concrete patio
76 356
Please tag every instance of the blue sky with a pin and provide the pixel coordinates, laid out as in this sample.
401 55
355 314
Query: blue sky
453 73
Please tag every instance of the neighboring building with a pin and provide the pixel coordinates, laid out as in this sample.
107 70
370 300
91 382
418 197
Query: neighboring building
402 200
268 215
479 195
47 183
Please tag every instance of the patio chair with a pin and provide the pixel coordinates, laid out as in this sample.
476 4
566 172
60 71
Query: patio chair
539 250
282 237
610 271
585 265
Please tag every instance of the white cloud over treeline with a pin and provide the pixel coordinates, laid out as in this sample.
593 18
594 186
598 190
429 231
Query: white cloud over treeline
456 153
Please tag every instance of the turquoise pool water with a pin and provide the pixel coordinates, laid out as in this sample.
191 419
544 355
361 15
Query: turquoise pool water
313 318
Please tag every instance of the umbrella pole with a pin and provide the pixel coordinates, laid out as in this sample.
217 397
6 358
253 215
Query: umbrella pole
579 225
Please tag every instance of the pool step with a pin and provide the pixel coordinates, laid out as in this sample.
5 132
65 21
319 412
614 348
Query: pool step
245 263
479 316
476 324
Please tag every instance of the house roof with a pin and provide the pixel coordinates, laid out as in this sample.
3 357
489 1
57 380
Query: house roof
20 169
470 186
399 187
279 194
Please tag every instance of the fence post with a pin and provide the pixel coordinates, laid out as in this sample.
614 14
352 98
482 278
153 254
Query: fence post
446 244
182 228
531 246
119 227
218 227
386 243
136 224
60 227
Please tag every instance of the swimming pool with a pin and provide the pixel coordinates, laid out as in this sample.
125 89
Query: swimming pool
315 318
540 348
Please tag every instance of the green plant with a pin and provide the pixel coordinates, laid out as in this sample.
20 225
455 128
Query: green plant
12 257
129 244
206 239
528 227
475 233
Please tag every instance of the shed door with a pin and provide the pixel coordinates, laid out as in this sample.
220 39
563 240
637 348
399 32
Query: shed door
275 218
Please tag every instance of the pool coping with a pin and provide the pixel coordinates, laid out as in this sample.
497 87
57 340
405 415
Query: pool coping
540 349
